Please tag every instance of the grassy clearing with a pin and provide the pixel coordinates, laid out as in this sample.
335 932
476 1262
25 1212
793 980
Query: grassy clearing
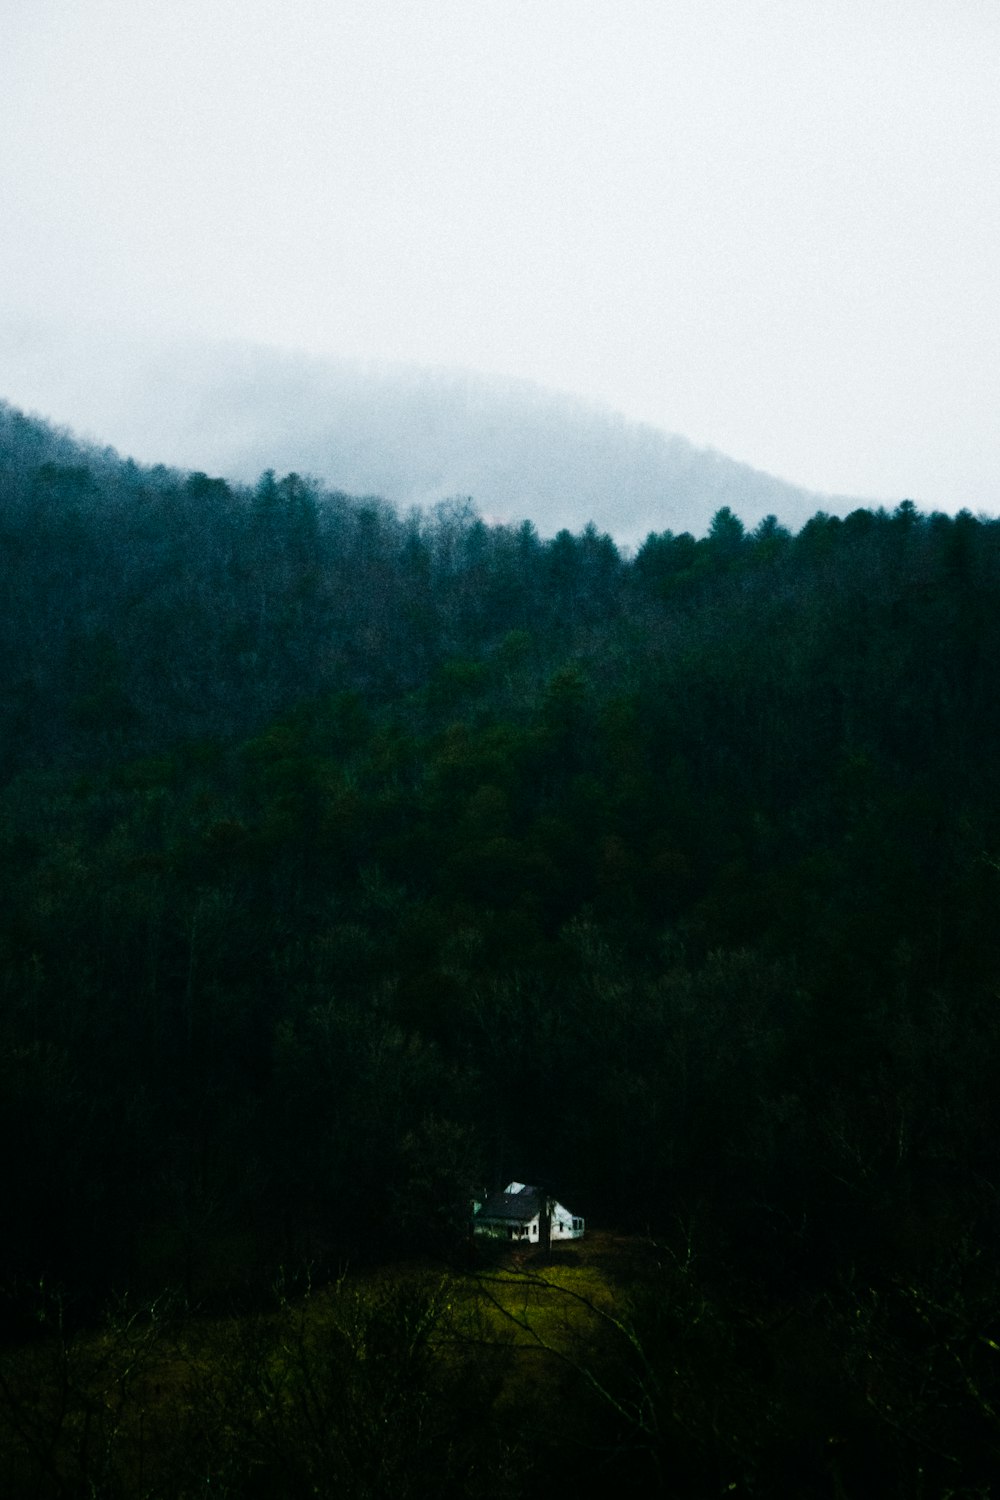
537 1307
353 1379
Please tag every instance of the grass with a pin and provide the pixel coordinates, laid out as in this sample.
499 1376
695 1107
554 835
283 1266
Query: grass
159 1396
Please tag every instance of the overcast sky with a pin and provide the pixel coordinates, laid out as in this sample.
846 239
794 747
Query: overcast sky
770 225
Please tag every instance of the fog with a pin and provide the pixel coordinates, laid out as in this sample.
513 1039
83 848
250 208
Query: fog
766 225
411 435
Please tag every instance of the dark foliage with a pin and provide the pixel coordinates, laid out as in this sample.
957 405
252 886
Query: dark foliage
350 860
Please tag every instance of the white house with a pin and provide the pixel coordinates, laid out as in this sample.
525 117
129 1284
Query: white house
518 1214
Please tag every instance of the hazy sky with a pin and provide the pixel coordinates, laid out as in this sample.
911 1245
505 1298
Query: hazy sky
770 225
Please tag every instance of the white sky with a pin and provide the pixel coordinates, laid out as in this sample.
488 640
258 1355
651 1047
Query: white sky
770 225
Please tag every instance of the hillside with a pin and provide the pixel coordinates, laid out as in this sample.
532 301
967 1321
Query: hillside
411 436
350 861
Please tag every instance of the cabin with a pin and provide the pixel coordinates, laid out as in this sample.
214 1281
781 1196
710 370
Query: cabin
522 1214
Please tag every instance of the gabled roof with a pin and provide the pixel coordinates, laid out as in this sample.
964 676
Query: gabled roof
517 1206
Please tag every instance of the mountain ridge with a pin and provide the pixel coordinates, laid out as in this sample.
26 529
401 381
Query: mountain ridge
411 435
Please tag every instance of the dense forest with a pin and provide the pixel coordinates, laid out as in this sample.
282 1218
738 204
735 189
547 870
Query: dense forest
355 861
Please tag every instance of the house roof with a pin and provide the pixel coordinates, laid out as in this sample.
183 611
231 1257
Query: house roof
517 1206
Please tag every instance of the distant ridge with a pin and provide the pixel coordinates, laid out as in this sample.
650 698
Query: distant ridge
411 435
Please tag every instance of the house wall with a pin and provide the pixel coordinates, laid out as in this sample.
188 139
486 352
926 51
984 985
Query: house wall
565 1226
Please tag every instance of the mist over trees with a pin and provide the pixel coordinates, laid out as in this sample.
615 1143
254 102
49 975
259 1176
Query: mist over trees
412 436
353 859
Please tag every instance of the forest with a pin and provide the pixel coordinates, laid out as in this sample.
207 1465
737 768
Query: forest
353 862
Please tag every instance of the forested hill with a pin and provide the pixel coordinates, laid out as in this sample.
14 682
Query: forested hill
412 435
348 860
146 605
